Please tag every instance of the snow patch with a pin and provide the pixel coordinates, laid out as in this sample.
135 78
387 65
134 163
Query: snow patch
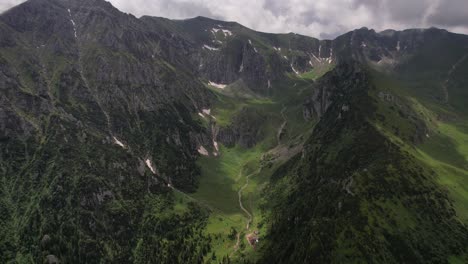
150 166
315 57
398 46
285 57
277 49
364 45
310 63
217 85
294 70
227 33
215 145
206 111
330 59
202 150
73 23
118 142
255 49
241 68
209 47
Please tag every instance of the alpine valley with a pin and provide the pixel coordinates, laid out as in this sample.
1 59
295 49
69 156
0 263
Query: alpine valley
150 140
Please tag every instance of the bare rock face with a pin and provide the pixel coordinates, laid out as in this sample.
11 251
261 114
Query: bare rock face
244 130
97 106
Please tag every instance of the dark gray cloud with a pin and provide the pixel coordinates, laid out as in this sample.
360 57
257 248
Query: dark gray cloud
318 18
454 14
7 4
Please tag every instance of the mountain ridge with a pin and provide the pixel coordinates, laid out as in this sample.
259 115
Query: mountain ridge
114 129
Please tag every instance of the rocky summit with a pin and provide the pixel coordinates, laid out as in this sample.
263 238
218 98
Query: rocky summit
151 140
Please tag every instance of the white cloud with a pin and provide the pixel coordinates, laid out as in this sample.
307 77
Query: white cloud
6 4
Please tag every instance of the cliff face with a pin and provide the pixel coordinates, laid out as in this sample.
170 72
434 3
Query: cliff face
226 52
245 129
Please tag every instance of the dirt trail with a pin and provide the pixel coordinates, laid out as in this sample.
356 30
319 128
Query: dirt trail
250 216
239 193
283 125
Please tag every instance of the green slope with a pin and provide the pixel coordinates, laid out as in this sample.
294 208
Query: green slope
360 180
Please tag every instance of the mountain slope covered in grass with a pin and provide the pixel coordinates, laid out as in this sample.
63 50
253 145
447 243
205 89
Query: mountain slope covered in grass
149 140
358 192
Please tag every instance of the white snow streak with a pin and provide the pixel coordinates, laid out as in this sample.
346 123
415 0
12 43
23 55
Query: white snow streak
294 70
209 47
255 49
217 85
206 111
215 145
150 166
330 59
227 32
315 57
118 142
73 23
202 150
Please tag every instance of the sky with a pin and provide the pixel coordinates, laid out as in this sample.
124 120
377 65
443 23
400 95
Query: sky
323 19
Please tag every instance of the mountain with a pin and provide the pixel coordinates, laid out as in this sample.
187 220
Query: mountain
150 140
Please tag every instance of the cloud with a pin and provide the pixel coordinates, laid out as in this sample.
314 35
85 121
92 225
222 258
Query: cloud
7 4
318 18
454 14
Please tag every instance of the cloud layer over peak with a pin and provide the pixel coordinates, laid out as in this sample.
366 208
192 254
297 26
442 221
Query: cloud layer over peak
317 18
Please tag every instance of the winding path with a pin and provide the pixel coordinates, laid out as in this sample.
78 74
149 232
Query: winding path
282 125
239 193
